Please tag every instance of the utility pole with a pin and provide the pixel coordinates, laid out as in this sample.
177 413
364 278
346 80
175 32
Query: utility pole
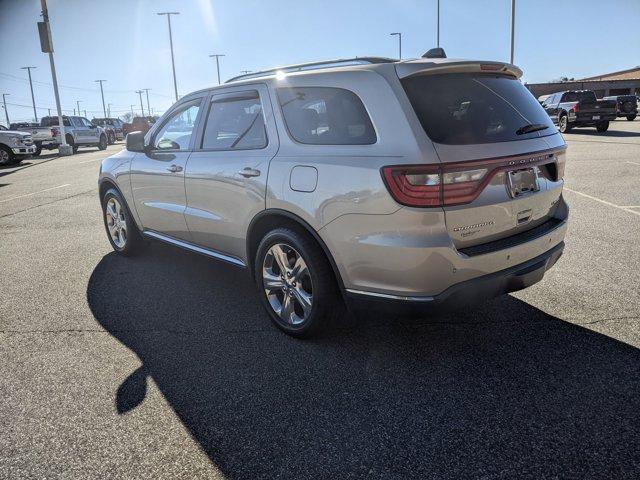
139 92
438 26
148 107
6 113
132 114
78 104
513 25
109 110
49 111
173 64
33 100
46 45
104 109
217 55
399 35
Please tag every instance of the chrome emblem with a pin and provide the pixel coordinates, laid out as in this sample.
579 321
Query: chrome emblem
475 225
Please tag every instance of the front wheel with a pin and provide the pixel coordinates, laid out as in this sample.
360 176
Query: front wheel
6 156
38 151
602 126
122 231
296 282
563 124
102 144
112 138
631 118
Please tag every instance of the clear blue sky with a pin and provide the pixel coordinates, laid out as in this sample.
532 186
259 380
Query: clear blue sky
125 42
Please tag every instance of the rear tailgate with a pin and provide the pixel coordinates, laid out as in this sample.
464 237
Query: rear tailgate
589 110
501 158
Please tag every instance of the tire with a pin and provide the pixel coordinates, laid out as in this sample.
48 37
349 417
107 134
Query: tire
71 143
102 144
38 151
315 287
563 124
602 126
6 156
123 234
631 118
111 138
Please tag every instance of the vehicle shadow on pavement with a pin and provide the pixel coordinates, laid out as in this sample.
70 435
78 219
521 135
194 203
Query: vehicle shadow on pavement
503 390
609 133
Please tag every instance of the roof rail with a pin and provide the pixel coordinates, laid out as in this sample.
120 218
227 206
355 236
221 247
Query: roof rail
314 66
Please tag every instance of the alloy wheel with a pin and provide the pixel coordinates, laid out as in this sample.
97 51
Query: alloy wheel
4 157
116 222
287 284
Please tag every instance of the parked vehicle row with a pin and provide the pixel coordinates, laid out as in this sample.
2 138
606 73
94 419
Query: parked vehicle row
414 184
112 126
626 105
579 108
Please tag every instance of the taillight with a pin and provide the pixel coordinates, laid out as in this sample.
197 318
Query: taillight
55 132
456 183
576 107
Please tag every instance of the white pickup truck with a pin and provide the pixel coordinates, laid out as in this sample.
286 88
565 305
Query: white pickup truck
14 146
44 138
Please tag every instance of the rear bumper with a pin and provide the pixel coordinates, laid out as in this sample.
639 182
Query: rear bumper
466 293
589 121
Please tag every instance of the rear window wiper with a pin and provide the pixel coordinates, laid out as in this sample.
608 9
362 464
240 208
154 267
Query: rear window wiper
534 127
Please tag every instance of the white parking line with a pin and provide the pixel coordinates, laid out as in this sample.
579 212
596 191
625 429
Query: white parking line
634 163
34 193
624 209
87 161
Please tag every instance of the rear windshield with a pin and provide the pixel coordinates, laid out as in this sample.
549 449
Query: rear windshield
53 121
586 96
462 109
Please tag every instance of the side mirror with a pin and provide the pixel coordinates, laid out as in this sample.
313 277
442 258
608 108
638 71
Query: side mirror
135 142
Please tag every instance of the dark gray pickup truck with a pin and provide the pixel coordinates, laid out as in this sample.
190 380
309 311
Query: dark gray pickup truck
579 108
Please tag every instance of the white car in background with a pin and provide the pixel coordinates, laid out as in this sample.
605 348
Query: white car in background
14 146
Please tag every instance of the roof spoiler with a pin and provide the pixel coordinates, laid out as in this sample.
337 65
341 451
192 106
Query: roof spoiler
421 67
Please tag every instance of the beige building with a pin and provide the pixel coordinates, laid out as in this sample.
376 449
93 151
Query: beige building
623 82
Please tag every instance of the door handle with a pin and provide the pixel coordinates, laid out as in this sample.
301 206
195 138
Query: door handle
249 172
174 168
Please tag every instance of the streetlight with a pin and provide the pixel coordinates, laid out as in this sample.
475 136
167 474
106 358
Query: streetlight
46 45
438 26
399 35
33 100
173 64
78 104
139 92
6 113
104 110
148 107
513 25
217 55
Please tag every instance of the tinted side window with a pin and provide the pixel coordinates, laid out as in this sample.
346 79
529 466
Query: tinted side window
325 116
176 132
235 123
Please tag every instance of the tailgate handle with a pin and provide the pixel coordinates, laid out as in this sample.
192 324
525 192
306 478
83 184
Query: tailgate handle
524 216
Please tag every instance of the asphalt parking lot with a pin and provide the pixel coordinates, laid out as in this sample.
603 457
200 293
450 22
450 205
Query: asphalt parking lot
165 366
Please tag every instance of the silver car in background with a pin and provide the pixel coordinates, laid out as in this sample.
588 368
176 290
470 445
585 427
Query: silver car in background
413 185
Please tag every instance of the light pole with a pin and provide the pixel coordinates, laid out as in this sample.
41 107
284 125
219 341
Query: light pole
399 35
6 113
46 45
78 104
132 114
33 100
438 26
217 55
173 64
109 110
148 107
139 92
104 109
513 25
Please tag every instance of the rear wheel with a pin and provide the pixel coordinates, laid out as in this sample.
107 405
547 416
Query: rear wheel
296 282
71 143
112 138
563 123
38 151
602 126
6 156
122 231
102 144
631 118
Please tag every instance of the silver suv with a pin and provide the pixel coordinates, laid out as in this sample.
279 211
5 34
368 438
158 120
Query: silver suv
416 184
